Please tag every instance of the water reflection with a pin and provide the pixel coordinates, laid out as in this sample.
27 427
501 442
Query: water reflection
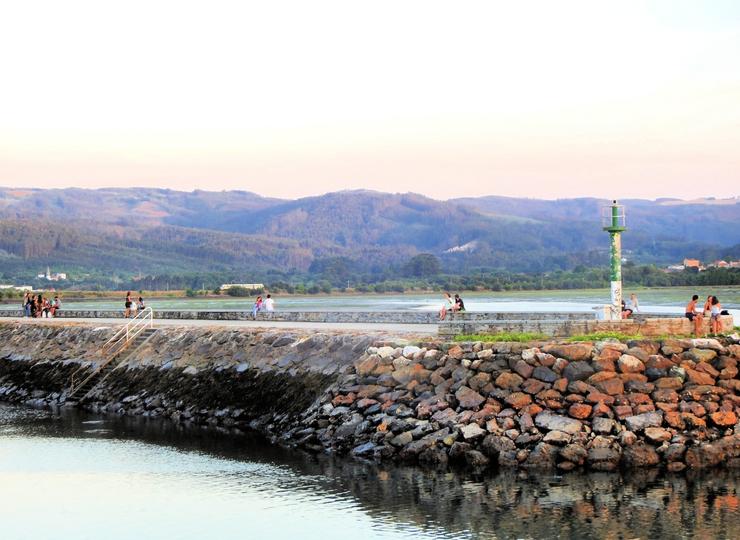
86 473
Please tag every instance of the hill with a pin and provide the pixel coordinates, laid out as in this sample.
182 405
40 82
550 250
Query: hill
125 232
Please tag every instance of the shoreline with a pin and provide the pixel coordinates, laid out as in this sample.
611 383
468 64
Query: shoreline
666 404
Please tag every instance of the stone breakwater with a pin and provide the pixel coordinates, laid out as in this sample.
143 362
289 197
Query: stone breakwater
670 404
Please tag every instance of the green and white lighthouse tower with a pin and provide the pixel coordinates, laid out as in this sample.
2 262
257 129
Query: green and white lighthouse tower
614 224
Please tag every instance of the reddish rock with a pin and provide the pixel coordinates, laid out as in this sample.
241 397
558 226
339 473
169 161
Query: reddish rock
665 395
699 377
675 466
643 408
518 400
601 409
723 418
455 352
574 398
601 376
637 399
692 407
629 364
546 360
634 378
623 411
523 369
640 455
658 362
728 373
674 420
609 356
533 409
579 410
668 383
707 368
611 386
349 399
560 385
604 365
364 403
533 386
509 381
667 407
366 367
596 397
692 421
573 352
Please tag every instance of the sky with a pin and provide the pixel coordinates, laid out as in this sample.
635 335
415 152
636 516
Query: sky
449 99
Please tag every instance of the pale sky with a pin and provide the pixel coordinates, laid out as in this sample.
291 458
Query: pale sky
538 99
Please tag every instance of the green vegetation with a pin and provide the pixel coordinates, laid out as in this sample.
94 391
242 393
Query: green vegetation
503 336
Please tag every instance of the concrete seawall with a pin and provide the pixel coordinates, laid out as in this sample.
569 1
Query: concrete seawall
670 404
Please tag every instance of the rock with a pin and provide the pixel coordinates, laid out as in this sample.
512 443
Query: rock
509 381
627 438
706 343
630 364
468 398
493 445
402 439
669 383
699 377
575 453
657 435
544 374
364 450
190 370
700 355
580 410
612 387
723 418
523 369
674 452
519 400
558 438
410 350
572 352
455 352
603 459
640 455
602 426
641 421
386 352
543 456
476 459
555 422
472 431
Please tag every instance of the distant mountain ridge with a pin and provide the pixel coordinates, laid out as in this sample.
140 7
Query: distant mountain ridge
133 230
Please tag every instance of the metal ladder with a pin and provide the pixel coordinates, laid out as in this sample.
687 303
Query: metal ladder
123 343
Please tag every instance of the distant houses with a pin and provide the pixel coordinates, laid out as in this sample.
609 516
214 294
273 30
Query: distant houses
251 286
61 276
696 266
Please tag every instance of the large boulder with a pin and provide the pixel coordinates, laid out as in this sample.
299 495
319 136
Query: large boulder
556 422
573 352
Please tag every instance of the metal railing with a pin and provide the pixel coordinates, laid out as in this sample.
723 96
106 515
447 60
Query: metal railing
115 345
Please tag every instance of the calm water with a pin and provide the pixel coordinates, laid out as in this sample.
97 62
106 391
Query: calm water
657 300
78 477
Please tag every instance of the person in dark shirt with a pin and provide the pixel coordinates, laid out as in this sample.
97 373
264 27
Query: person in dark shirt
459 304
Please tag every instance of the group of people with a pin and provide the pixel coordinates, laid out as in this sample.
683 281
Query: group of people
267 305
451 304
132 307
40 306
712 309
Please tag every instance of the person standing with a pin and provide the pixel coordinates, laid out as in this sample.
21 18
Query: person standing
26 304
693 315
269 304
257 307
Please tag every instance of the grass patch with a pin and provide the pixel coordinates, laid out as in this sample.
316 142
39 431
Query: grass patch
503 336
600 336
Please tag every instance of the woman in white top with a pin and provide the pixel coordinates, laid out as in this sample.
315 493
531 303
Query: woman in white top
449 304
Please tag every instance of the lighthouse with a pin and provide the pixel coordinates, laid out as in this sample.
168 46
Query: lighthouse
614 224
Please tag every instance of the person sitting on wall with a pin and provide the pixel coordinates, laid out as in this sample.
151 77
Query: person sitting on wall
56 305
459 304
693 315
449 304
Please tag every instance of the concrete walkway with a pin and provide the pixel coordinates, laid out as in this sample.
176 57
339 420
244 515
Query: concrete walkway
418 329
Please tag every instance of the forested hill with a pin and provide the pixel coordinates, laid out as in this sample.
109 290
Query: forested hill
132 231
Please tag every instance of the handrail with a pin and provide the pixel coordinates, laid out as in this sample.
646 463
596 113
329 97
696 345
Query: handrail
116 344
